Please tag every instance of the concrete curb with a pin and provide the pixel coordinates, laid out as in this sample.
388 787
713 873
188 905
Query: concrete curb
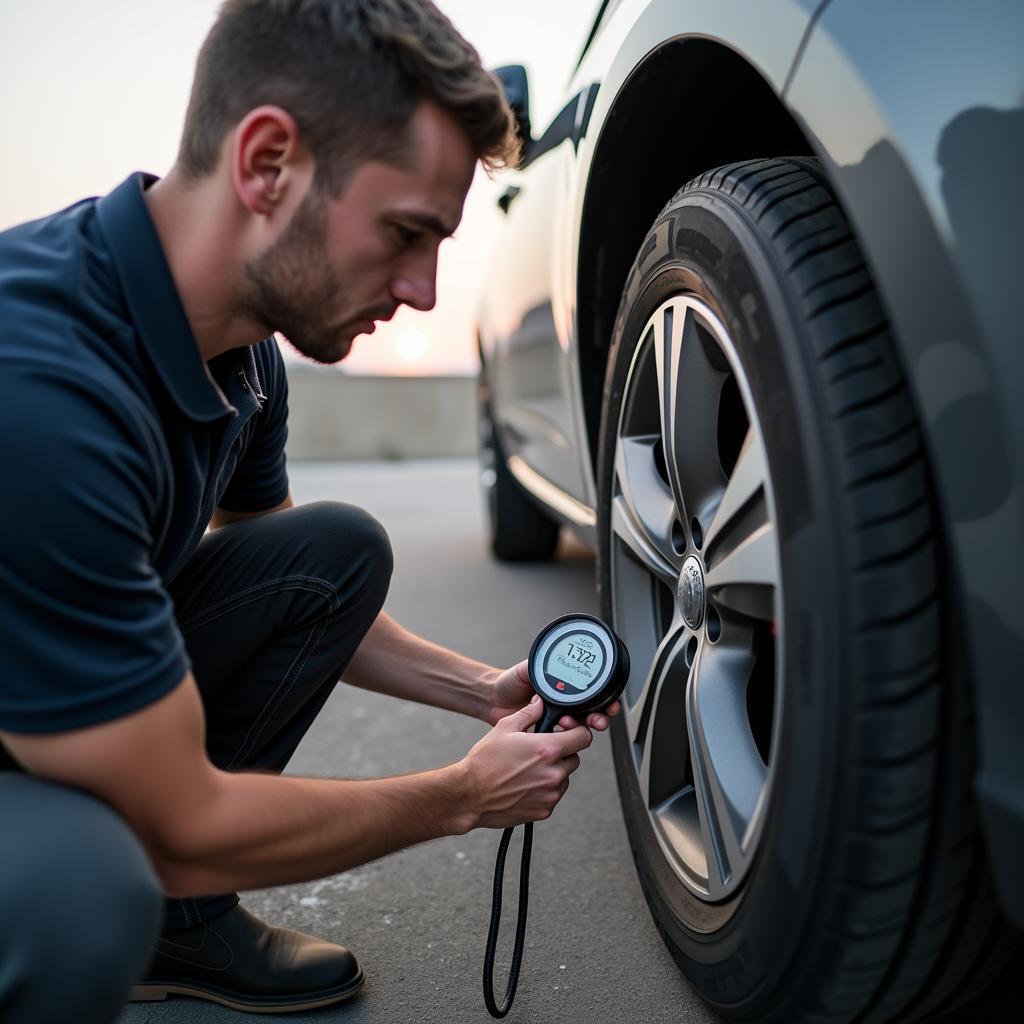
335 415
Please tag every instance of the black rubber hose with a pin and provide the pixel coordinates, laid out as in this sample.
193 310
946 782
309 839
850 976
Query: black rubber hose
492 932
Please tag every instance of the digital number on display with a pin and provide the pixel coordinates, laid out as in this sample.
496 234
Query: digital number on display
576 660
582 656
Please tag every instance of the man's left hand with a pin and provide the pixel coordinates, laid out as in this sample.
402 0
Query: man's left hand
512 690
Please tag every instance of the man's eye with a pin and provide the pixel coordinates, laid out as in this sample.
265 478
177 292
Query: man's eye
407 236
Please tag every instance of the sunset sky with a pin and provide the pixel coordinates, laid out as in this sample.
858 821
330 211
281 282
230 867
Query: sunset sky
93 91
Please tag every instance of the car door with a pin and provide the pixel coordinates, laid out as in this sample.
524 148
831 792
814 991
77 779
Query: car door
529 343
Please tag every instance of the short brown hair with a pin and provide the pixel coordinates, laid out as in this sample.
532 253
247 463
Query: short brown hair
351 73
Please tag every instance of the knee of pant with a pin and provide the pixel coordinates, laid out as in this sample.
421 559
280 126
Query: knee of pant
78 897
360 550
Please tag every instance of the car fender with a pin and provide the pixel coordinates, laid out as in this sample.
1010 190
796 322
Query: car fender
767 35
915 111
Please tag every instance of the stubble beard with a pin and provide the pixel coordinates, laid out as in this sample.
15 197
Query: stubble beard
290 288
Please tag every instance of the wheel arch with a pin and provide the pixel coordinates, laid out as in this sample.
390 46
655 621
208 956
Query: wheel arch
738 116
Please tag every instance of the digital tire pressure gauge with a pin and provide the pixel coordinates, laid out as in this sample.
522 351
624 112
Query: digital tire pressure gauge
577 665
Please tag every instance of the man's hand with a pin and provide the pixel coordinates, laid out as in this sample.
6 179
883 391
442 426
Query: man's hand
514 775
512 690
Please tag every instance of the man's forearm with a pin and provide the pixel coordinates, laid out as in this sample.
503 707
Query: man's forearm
209 831
394 661
259 830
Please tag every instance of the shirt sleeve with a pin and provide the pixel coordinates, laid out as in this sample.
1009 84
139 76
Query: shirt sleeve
260 480
87 629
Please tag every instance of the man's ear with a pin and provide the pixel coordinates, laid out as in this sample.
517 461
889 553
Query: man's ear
268 160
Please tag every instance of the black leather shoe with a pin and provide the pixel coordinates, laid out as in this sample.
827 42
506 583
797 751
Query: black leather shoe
239 961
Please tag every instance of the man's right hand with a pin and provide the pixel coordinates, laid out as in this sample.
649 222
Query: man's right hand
516 776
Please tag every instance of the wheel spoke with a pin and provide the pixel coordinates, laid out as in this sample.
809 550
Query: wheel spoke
643 513
657 721
747 481
689 386
746 578
638 713
728 774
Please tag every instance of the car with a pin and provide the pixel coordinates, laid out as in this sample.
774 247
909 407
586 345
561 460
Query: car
752 333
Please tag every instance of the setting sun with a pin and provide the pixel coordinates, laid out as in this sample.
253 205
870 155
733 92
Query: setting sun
412 345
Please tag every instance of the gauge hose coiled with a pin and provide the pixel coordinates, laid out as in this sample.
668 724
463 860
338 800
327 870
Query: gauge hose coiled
492 931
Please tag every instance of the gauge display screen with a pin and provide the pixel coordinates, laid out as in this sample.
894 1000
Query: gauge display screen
577 662
574 662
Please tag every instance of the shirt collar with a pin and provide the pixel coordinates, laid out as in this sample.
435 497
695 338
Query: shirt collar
153 300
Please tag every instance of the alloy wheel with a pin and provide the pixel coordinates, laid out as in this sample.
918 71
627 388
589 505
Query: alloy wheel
696 595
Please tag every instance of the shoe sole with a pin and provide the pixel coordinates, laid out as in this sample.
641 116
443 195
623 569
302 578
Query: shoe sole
151 993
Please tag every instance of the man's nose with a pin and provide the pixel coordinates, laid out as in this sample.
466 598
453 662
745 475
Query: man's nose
418 290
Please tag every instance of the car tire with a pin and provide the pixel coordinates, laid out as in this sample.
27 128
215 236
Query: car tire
795 754
517 529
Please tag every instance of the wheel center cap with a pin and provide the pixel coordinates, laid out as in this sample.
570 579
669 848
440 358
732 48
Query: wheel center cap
690 592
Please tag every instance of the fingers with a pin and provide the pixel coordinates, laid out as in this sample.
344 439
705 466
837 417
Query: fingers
563 786
596 721
547 803
599 720
521 720
572 741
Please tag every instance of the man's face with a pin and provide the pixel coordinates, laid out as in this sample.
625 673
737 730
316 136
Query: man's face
342 264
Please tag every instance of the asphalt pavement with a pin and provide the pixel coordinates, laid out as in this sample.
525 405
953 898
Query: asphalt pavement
417 920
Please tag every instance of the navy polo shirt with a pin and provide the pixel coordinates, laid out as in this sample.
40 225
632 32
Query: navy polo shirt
117 442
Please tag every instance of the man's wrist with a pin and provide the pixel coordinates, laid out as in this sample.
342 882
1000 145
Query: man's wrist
462 803
486 688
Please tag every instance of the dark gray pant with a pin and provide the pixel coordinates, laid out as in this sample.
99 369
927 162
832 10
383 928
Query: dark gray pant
79 905
271 610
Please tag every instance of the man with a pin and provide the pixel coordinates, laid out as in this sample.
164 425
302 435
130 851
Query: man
156 679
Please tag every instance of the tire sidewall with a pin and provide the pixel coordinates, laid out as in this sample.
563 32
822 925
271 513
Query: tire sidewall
736 951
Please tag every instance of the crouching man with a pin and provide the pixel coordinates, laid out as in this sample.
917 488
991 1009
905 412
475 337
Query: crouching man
170 624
